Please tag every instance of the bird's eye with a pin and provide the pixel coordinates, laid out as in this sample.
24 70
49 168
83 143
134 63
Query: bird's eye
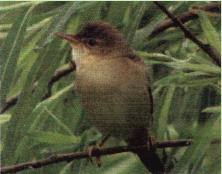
91 42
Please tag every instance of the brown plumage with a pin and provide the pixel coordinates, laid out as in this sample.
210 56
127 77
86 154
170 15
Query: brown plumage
99 30
113 87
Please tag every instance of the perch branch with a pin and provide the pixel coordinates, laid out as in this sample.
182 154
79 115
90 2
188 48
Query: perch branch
78 155
206 48
185 17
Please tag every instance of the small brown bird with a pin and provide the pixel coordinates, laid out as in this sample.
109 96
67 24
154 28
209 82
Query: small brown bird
113 87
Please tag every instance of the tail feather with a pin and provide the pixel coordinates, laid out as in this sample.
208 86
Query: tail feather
151 161
148 157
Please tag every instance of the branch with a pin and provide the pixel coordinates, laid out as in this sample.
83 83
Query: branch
206 48
185 17
11 101
58 74
96 152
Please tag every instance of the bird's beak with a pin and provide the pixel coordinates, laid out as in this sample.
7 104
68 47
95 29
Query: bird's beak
67 37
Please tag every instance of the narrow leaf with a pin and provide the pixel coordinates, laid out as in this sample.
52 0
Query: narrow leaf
59 122
116 12
210 32
142 34
164 112
11 50
53 138
212 109
197 150
61 19
18 5
49 101
4 118
134 23
194 67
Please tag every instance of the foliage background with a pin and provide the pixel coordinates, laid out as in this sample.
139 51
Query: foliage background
186 85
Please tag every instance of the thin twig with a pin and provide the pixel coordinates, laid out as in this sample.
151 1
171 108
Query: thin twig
58 74
206 48
11 101
185 17
96 152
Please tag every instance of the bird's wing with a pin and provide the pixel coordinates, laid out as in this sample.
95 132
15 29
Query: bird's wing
136 58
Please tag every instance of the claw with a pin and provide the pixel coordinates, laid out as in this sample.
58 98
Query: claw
97 148
98 158
151 142
72 64
90 150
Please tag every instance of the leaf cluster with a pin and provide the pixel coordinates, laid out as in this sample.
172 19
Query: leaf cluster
185 84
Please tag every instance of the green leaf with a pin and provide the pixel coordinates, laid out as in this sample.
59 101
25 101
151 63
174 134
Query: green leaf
134 22
180 64
212 109
116 12
11 50
210 32
58 23
125 166
183 79
25 63
49 101
59 122
142 34
53 138
67 169
47 61
155 56
41 107
163 117
211 166
195 153
18 5
4 118
184 66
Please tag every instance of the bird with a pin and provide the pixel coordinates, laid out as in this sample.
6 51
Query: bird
113 86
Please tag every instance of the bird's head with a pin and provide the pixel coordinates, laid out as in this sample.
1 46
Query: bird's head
97 39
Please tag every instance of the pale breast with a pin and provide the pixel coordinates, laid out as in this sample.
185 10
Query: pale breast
114 95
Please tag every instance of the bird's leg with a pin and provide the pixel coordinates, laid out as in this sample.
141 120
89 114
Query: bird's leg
151 142
98 147
72 64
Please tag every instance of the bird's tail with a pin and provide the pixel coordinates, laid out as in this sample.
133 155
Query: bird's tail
151 160
148 156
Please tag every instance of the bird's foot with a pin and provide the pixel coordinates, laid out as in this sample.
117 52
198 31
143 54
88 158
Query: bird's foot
97 148
98 158
151 142
72 64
